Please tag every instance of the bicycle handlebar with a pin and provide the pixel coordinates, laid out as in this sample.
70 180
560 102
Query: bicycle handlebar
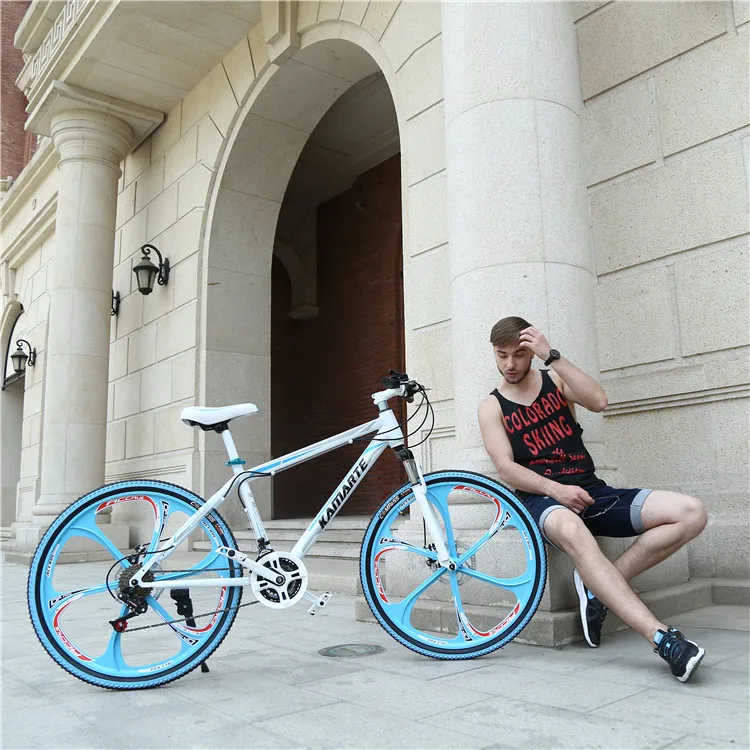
400 381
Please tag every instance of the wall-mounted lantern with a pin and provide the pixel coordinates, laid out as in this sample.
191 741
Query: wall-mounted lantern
146 272
115 303
20 359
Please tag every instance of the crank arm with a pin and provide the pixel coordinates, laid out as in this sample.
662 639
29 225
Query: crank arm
275 577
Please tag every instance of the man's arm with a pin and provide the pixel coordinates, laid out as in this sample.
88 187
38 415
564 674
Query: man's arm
578 387
498 447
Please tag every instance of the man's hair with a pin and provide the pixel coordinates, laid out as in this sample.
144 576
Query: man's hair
506 331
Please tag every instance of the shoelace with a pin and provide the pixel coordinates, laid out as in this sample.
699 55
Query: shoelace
672 645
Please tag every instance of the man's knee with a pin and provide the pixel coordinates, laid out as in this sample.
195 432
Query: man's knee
695 515
566 530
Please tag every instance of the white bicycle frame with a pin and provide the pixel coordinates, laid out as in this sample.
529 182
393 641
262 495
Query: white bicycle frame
387 433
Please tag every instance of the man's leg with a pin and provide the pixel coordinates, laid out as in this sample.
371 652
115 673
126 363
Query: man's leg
566 530
671 520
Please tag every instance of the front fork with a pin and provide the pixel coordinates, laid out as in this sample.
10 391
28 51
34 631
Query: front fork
419 488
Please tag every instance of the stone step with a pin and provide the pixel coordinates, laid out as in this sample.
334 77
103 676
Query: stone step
559 627
339 522
336 576
321 549
351 536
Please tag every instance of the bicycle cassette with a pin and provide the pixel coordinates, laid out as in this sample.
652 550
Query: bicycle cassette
289 592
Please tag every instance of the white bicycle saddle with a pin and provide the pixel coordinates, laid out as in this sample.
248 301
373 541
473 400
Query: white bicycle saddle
211 416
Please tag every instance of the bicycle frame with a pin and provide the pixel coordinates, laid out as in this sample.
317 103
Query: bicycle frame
388 433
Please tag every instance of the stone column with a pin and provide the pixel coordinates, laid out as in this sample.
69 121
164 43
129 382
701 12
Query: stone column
519 230
91 144
518 217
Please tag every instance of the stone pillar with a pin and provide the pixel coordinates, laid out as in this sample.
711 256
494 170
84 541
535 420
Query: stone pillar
519 232
518 215
91 144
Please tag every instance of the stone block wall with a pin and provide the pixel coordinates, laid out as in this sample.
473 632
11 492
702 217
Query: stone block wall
665 86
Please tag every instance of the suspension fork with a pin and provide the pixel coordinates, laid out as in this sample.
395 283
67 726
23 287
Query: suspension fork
419 488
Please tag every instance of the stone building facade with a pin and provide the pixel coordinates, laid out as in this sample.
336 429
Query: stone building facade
429 168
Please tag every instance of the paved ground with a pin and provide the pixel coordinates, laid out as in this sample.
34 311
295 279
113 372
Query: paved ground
269 688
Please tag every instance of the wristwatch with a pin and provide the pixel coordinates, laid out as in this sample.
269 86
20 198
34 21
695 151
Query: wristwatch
553 355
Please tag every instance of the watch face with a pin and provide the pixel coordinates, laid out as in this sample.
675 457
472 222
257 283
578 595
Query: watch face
554 354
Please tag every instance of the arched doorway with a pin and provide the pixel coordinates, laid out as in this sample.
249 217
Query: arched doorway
288 182
11 417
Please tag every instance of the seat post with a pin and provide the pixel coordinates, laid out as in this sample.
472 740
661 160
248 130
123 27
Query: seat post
234 460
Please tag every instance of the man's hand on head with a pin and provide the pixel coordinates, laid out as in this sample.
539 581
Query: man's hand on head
575 498
532 338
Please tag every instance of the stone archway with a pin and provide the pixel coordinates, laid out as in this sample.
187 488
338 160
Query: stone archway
271 132
11 417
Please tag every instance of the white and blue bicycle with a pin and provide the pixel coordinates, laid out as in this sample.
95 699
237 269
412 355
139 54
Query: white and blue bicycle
452 565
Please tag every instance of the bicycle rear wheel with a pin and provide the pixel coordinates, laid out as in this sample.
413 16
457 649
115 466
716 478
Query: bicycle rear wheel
72 605
493 593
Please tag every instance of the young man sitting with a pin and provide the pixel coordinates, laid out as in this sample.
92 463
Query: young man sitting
531 434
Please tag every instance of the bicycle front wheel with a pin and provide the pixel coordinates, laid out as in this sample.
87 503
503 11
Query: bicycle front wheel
72 606
487 600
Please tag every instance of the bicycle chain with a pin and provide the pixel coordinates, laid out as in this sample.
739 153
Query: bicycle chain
193 617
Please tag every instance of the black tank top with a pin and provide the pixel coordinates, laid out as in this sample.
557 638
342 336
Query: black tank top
546 438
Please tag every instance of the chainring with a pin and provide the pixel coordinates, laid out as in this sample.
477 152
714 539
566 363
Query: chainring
289 592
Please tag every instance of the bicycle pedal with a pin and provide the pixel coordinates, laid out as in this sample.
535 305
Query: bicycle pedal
318 600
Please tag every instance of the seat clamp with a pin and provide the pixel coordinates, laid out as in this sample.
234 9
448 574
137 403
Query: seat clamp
236 462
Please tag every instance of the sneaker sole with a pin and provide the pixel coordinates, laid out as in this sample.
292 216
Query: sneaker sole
583 601
692 665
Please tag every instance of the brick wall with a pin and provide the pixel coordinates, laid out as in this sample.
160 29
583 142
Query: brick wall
323 370
14 145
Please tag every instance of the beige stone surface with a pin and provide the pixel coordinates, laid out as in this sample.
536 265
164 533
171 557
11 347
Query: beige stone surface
136 162
127 396
329 10
627 38
634 316
181 156
427 227
741 12
421 79
149 184
134 234
653 214
425 139
193 189
162 211
139 435
617 131
581 8
142 346
412 26
125 205
712 300
183 375
258 49
704 94
222 101
196 104
159 302
167 133
238 244
510 227
171 433
235 302
307 14
378 16
156 386
428 299
118 359
183 238
353 11
272 148
184 280
429 360
239 68
176 332
115 441
209 142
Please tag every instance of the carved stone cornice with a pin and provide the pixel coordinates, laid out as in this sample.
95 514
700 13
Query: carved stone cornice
62 97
